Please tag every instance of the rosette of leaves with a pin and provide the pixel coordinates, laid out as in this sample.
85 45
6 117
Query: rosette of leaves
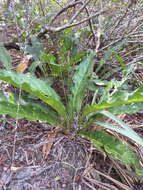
74 115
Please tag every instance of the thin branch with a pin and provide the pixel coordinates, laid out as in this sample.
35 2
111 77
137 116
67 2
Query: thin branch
112 43
79 11
61 28
70 5
136 59
125 14
58 3
91 25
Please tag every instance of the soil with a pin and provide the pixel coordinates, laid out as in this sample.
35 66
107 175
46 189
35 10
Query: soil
70 164
23 165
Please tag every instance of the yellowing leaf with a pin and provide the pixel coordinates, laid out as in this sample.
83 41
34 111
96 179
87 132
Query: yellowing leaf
47 147
23 64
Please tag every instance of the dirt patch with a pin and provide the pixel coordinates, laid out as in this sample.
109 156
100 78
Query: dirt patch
22 164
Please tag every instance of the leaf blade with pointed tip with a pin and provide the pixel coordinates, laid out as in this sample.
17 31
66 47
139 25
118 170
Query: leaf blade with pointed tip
114 147
118 99
20 107
36 87
80 83
125 130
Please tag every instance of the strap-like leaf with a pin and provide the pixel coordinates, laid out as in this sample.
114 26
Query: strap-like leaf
118 99
26 108
80 83
36 87
125 130
113 147
130 134
128 109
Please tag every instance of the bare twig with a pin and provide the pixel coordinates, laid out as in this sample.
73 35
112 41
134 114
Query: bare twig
61 28
104 186
119 184
125 14
136 59
73 4
79 11
112 43
70 5
91 25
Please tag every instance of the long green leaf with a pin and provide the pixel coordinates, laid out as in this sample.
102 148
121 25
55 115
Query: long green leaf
36 87
20 107
80 83
117 149
125 130
5 58
123 109
116 119
128 109
121 131
118 99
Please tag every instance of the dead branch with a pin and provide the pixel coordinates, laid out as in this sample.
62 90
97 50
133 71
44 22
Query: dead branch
90 20
133 2
79 11
70 5
61 28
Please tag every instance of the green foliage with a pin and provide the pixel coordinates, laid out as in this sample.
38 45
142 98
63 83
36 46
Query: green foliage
117 98
25 107
55 68
56 65
35 48
123 130
80 79
109 53
121 61
109 99
74 113
114 147
5 58
35 87
129 109
37 64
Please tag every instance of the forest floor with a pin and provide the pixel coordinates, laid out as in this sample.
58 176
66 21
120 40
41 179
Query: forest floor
39 157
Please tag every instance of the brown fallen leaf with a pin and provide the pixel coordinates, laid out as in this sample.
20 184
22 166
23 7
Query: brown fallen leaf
23 65
16 168
47 147
47 185
37 188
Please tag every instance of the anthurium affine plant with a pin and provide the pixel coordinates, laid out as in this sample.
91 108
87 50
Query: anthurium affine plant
73 116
